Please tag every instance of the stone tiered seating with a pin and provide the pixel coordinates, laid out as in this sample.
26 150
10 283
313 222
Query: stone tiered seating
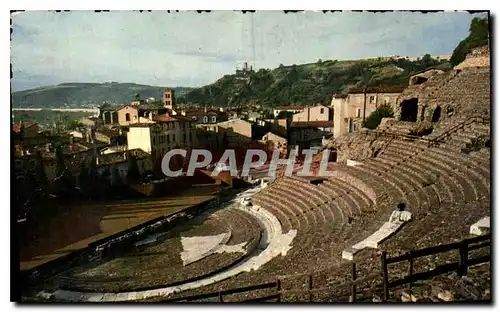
447 165
318 212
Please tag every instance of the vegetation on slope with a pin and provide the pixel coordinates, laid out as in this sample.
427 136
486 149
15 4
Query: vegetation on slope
307 83
478 36
78 94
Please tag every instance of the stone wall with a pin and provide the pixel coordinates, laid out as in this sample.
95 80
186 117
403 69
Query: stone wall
358 146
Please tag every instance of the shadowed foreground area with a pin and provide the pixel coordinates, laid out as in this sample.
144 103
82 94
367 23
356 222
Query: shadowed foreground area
86 223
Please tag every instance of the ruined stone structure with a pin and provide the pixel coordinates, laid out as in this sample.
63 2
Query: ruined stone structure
433 95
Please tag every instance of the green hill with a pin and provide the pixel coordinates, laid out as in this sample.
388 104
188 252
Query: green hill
307 83
79 94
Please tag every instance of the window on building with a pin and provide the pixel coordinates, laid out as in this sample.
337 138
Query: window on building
358 112
322 110
168 138
173 137
154 140
214 119
184 137
386 100
127 117
168 95
372 98
205 119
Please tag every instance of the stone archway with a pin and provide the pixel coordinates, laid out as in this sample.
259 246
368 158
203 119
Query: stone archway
437 114
409 110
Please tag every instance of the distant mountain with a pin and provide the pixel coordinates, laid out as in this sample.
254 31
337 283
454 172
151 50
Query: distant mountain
81 94
307 83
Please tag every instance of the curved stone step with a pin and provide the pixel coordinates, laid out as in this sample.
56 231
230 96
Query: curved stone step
412 180
300 202
445 172
385 173
445 187
285 221
385 192
364 202
449 164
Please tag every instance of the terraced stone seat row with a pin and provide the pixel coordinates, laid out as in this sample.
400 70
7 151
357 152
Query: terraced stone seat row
426 175
321 210
389 191
243 227
464 171
310 219
413 179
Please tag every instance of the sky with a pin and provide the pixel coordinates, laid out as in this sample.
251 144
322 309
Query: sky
191 49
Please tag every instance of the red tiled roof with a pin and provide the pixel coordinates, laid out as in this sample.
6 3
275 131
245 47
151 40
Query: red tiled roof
314 124
291 107
17 127
377 89
340 96
165 117
201 112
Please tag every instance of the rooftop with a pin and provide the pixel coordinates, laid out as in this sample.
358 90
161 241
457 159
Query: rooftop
314 124
291 107
17 127
377 89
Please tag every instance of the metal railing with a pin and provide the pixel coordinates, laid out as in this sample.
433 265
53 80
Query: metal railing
350 288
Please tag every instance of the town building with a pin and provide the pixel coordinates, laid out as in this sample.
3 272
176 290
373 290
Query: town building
314 113
131 114
349 111
205 116
236 132
308 134
165 134
275 142
230 133
114 167
26 130
111 137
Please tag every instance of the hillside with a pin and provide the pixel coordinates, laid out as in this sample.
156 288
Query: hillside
307 83
79 94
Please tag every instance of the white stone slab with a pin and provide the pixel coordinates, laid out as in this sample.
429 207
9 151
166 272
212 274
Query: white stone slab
481 227
199 247
396 220
353 163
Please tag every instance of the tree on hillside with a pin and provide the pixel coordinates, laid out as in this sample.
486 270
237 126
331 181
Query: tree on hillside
426 60
478 36
383 111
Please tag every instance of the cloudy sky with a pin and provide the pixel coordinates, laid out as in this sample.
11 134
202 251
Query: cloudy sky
191 49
